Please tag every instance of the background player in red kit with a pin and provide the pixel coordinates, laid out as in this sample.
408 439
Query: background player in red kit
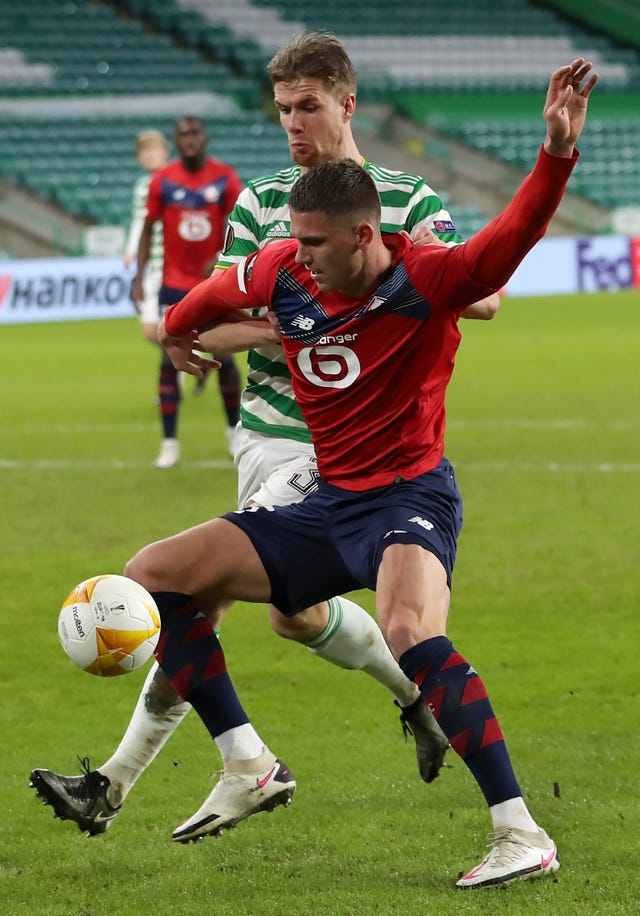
369 328
193 198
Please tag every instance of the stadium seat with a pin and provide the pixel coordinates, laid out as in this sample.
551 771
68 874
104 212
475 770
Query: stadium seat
130 48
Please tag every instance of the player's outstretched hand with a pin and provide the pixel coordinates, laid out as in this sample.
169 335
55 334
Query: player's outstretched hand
565 108
183 355
425 236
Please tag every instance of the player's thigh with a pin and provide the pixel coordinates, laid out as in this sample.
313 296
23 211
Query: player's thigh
215 561
412 596
297 550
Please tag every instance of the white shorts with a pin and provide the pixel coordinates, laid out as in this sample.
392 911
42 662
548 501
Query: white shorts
149 309
273 471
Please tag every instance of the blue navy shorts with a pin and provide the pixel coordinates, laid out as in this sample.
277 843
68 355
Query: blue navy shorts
169 295
332 542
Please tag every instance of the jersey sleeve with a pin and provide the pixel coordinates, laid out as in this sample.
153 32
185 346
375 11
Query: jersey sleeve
455 277
133 235
492 255
154 207
138 211
426 210
243 229
245 285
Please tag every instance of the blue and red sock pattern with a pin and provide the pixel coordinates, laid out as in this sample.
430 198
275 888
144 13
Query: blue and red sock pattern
191 656
458 699
168 397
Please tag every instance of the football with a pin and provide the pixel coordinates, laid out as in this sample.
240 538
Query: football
109 625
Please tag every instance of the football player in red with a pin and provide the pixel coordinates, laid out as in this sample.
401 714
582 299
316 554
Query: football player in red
369 326
192 198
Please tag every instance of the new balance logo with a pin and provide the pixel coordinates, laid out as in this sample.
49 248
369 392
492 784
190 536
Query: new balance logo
279 231
302 322
375 302
422 522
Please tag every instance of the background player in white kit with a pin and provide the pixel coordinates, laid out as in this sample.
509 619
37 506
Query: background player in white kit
152 153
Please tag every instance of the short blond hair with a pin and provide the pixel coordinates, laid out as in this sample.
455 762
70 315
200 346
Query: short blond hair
149 137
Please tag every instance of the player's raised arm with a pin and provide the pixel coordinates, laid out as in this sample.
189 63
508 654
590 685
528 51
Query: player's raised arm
483 309
565 108
491 256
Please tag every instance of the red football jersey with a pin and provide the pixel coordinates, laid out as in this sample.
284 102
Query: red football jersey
193 207
370 374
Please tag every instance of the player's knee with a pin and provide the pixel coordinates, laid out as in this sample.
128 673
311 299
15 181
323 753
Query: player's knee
403 630
399 635
303 627
145 569
283 626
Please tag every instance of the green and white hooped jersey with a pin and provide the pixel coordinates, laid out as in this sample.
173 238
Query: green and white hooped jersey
138 215
260 216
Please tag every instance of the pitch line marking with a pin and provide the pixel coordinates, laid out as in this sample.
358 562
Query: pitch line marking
605 467
62 429
47 464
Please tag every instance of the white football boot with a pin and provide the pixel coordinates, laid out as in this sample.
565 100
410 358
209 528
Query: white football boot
514 855
169 454
244 788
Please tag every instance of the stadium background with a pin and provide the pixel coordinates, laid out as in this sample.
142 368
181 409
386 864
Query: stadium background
543 429
454 93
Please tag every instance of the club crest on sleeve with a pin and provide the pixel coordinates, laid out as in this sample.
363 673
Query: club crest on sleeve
444 225
229 239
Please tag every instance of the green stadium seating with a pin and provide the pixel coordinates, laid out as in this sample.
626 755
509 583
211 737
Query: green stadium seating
91 50
89 167
609 172
85 49
510 44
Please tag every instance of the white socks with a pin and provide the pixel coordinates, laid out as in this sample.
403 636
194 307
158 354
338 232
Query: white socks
352 639
150 727
240 743
512 813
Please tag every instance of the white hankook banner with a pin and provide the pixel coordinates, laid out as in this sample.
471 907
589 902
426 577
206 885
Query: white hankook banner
64 289
74 289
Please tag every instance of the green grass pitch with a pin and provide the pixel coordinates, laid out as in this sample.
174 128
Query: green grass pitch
544 429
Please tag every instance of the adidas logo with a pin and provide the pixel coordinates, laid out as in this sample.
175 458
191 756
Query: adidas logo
279 231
